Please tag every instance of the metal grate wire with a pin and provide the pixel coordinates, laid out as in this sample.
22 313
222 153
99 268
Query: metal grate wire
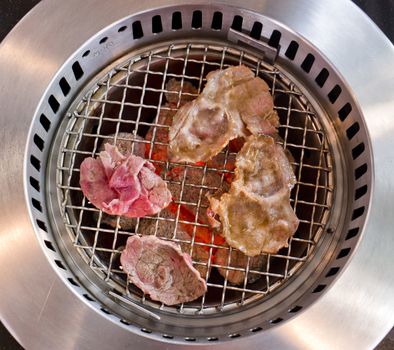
106 110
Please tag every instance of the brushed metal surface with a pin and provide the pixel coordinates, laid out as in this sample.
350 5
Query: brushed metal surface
44 314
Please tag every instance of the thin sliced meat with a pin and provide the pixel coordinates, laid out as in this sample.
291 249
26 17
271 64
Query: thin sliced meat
233 103
255 215
166 229
175 95
252 102
256 225
122 185
262 167
200 130
161 270
127 144
94 182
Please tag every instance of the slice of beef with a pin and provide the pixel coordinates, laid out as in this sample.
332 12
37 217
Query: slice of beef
256 215
122 185
127 144
176 97
233 103
161 270
166 229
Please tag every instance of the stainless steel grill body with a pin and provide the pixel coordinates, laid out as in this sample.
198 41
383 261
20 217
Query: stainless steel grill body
81 323
95 118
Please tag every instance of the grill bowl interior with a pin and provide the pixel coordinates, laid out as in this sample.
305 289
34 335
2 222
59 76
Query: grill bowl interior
130 99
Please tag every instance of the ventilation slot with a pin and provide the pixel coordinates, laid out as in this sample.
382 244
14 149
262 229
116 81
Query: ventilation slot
53 103
86 53
157 26
34 183
146 330
176 20
35 162
319 288
122 29
60 264
64 86
41 225
256 30
88 297
308 63
217 21
125 322
356 151
333 271
167 336
77 70
361 191
36 204
277 320
237 23
358 212
292 50
256 329
137 30
234 335
197 19
275 38
105 311
322 77
344 111
360 171
49 245
334 93
72 281
212 339
352 233
44 121
190 339
295 309
344 252
39 142
103 40
352 130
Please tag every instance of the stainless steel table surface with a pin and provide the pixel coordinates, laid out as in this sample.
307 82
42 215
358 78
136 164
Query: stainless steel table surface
11 11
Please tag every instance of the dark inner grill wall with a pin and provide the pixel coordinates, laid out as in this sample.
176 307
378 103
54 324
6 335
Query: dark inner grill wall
11 11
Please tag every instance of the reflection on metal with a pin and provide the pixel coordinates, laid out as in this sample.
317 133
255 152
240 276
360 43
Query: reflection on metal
134 305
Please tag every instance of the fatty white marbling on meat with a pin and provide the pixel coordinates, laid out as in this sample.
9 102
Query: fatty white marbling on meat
255 215
122 185
233 103
161 270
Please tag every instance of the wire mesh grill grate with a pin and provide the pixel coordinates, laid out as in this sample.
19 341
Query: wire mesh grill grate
132 98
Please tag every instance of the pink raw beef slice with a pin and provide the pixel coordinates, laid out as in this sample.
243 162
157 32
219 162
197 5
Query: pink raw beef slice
121 185
160 269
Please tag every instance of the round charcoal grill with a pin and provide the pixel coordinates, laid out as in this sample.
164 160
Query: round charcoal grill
108 76
130 98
